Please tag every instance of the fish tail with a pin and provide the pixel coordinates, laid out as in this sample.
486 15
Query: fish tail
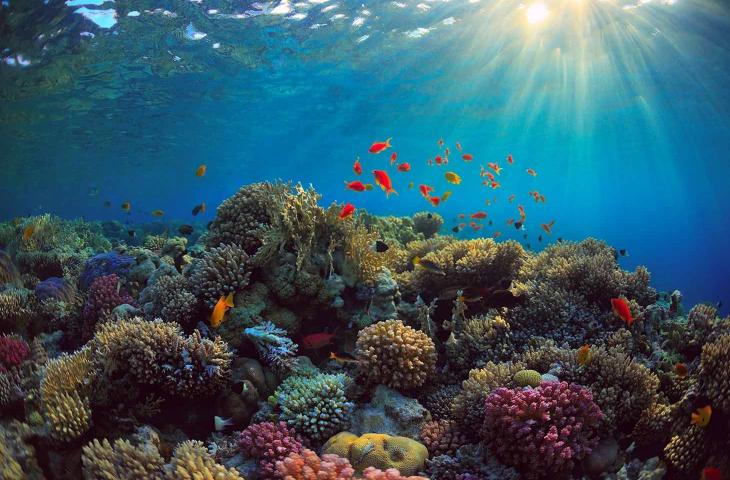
392 190
387 142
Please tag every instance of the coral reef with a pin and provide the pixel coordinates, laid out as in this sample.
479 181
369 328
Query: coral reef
378 450
308 466
442 437
222 270
269 443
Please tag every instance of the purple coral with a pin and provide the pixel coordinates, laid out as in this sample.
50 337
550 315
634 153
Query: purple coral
55 288
13 351
269 442
541 431
105 264
105 294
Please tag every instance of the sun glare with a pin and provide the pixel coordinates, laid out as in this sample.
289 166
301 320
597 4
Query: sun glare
537 13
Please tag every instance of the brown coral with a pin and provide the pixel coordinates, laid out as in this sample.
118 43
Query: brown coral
222 270
191 461
309 466
714 365
442 437
395 354
483 338
120 461
653 426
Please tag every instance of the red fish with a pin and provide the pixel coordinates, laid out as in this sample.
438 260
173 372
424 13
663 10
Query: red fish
510 160
531 172
393 157
495 185
461 225
461 215
489 175
347 211
548 227
479 215
438 160
356 186
378 147
510 221
383 181
711 473
482 172
434 201
496 234
475 226
522 211
621 309
425 190
356 167
511 198
467 157
497 169
681 370
447 151
404 167
314 341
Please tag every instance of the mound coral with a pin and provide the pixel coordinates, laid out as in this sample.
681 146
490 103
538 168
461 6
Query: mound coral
13 352
171 299
269 443
308 466
222 270
525 378
714 365
481 339
55 288
105 264
379 450
442 437
316 406
541 431
395 354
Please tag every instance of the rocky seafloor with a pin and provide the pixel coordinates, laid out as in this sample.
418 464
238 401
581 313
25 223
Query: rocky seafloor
339 360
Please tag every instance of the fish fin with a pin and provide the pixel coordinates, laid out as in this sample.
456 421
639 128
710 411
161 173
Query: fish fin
387 142
229 300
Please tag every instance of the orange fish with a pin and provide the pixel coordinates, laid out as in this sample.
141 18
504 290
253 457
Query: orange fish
339 359
434 201
441 142
28 232
201 170
393 157
383 181
404 167
314 341
497 169
548 227
467 157
356 186
446 160
496 234
701 416
495 185
542 198
458 146
511 198
510 221
347 211
522 211
478 215
711 473
220 309
425 190
357 167
202 207
510 160
378 147
475 226
462 225
680 369
489 175
438 160
584 354
532 172
621 309
482 172
461 215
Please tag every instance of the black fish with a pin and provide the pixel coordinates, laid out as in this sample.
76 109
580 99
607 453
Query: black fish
560 239
381 246
518 225
131 233
455 229
490 223
502 298
185 229
429 216
539 238
197 209
622 252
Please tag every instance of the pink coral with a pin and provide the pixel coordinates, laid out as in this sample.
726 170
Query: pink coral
372 473
442 437
541 431
308 466
13 352
105 294
269 442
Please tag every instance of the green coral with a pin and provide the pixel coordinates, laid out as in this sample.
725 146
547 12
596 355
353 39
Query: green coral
525 378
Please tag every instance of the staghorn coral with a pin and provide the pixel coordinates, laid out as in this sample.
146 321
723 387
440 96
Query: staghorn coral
18 456
427 223
378 450
307 465
442 437
541 431
222 270
11 387
366 262
269 443
653 426
68 416
395 354
191 461
18 309
316 406
13 352
121 461
481 339
714 364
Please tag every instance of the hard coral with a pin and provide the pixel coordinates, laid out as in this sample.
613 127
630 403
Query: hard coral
315 405
525 378
379 450
13 352
482 338
427 223
8 271
541 431
372 473
439 401
222 270
307 465
105 264
715 362
269 443
395 354
171 300
121 461
104 295
191 461
55 288
442 437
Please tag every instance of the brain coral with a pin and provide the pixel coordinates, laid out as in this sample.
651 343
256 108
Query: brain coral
714 365
315 405
13 351
541 431
222 270
395 354
269 443
379 450
525 378
308 466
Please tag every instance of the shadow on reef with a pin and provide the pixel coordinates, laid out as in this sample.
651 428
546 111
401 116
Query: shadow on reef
282 342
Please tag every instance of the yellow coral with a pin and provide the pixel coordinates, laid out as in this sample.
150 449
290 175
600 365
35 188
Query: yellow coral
395 354
525 378
191 461
68 415
379 450
120 461
358 249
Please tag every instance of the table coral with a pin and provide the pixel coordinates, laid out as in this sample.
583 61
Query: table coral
222 270
541 431
395 354
269 443
379 450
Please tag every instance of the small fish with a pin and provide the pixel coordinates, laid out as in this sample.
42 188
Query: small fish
490 223
313 341
584 354
497 169
425 190
539 238
378 147
28 232
342 358
511 198
510 160
435 201
452 177
447 152
198 209
131 233
357 167
621 309
482 171
495 185
462 225
393 157
478 215
93 192
489 175
458 146
428 265
404 167
531 172
475 226
157 213
126 206
680 369
221 423
355 186
701 416
200 171
521 209
518 226
430 162
455 229
711 473
441 142
438 160
369 187
410 185
496 234
548 227
107 204
347 211
461 215
623 252
445 196
510 221
382 179
381 246
185 229
560 239
467 157
220 309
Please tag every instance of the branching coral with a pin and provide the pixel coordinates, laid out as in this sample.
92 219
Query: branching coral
439 401
541 431
428 224
17 309
171 300
269 443
442 437
13 352
273 345
222 270
483 338
715 362
395 354
365 260
191 461
8 271
105 294
315 405
121 461
307 465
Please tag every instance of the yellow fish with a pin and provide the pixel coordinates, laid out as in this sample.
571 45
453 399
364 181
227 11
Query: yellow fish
410 185
584 354
701 416
28 232
368 187
126 206
452 177
201 170
220 309
158 213
445 196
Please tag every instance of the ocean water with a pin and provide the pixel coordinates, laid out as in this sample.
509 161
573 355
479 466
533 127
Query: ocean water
621 107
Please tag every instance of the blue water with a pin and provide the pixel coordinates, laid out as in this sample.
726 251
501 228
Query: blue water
621 107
